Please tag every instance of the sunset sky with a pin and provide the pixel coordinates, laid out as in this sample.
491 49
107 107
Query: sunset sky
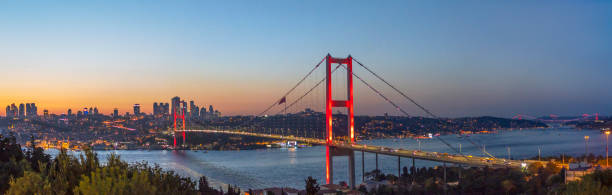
458 58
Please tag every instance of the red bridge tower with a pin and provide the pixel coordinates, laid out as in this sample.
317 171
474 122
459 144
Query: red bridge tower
330 103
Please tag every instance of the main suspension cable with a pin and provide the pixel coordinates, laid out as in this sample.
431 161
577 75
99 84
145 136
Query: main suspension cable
381 95
293 88
397 107
308 92
397 90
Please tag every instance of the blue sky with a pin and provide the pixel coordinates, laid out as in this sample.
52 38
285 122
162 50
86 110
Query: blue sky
458 58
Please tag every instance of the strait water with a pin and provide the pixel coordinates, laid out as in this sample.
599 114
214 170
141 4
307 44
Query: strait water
288 168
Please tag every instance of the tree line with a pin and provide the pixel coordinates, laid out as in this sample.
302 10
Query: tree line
31 171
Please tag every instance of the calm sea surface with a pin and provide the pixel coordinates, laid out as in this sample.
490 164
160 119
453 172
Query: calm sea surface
288 168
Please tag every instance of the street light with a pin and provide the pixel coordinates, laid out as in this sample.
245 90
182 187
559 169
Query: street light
586 147
607 133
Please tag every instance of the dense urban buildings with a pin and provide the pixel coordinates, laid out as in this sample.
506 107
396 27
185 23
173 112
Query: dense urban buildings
24 110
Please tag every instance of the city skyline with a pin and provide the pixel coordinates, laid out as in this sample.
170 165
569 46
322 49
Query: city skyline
467 59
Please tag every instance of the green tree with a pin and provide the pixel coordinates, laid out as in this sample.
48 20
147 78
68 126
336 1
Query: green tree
30 183
113 180
36 156
12 163
598 182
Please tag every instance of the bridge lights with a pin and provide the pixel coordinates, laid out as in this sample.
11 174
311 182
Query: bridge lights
607 134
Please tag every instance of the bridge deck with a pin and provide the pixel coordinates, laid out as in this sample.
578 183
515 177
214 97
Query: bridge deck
431 156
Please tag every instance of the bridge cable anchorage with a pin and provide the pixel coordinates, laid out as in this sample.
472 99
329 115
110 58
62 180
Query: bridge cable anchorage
293 88
397 90
308 92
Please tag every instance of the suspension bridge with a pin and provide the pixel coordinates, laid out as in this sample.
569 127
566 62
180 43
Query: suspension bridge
348 146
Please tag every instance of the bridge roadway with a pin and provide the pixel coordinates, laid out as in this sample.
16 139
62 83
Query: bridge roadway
423 155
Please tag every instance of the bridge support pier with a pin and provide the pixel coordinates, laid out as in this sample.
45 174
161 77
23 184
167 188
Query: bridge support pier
362 166
444 173
333 151
413 172
399 167
376 161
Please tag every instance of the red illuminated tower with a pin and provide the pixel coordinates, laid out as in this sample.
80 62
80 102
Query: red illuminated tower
330 103
182 116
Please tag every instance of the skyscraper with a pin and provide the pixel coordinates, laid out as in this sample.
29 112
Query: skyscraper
176 101
136 109
34 109
166 108
194 111
203 112
116 112
183 107
21 110
14 110
211 110
156 110
8 112
95 111
28 110
69 112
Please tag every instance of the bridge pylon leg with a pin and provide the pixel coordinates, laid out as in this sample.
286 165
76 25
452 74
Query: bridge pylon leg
333 151
362 166
376 161
399 167
351 161
329 166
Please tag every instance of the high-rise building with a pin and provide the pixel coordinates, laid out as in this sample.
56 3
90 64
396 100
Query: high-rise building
183 108
156 110
34 109
95 112
166 108
116 112
28 110
211 110
136 109
46 113
161 108
203 112
176 101
8 112
194 111
21 110
14 110
69 112
85 111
